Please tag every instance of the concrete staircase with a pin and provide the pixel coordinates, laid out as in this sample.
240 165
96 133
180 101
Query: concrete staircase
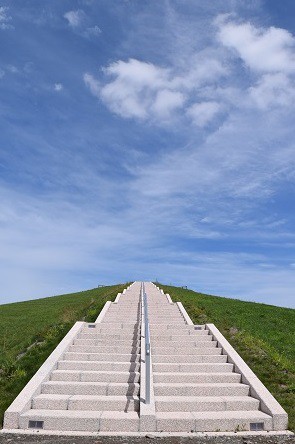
96 383
195 387
96 380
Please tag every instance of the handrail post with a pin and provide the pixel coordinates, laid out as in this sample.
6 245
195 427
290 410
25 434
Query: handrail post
144 307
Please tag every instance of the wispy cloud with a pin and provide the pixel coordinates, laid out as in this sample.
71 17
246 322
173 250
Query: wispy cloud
5 18
75 18
80 23
58 87
92 31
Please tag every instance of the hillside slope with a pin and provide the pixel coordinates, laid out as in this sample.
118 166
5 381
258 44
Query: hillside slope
30 330
264 335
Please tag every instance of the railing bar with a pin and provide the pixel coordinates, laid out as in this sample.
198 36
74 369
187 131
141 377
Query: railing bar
144 307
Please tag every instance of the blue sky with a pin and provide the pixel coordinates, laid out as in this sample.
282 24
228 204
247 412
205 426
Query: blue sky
144 140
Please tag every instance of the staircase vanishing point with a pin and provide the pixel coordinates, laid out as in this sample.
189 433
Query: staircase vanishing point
96 379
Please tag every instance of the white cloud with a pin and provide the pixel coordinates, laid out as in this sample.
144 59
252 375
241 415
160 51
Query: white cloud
146 91
75 18
133 91
58 87
166 102
13 69
2 73
273 90
269 53
93 31
262 49
92 84
202 113
5 18
78 21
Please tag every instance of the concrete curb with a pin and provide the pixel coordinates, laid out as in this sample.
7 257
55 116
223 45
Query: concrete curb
184 313
117 298
23 401
103 312
269 404
25 437
169 298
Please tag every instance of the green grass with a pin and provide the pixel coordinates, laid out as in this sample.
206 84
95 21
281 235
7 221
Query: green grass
29 332
264 335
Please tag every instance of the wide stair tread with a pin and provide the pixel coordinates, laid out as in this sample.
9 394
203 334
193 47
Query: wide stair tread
85 402
82 420
211 421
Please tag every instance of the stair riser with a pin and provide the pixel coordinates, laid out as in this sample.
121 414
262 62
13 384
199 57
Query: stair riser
168 328
180 350
112 331
101 357
95 377
207 425
208 357
110 337
196 378
90 389
193 368
181 339
189 360
64 424
106 343
174 406
129 405
104 349
183 342
201 391
112 327
99 366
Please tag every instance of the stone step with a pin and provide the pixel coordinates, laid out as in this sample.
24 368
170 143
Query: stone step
110 336
95 376
211 421
98 366
166 317
162 328
210 367
188 341
205 355
84 421
119 325
128 314
167 320
205 389
105 342
182 337
101 357
89 402
104 349
205 403
113 327
170 350
90 388
196 377
182 359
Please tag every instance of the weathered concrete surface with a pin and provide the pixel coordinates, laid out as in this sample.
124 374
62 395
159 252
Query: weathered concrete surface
233 439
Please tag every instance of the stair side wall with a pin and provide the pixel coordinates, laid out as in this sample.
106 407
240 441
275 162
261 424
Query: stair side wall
23 401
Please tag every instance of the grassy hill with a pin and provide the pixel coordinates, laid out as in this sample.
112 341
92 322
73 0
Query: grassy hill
264 335
30 330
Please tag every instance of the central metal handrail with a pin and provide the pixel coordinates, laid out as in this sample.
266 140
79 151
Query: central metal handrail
144 308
